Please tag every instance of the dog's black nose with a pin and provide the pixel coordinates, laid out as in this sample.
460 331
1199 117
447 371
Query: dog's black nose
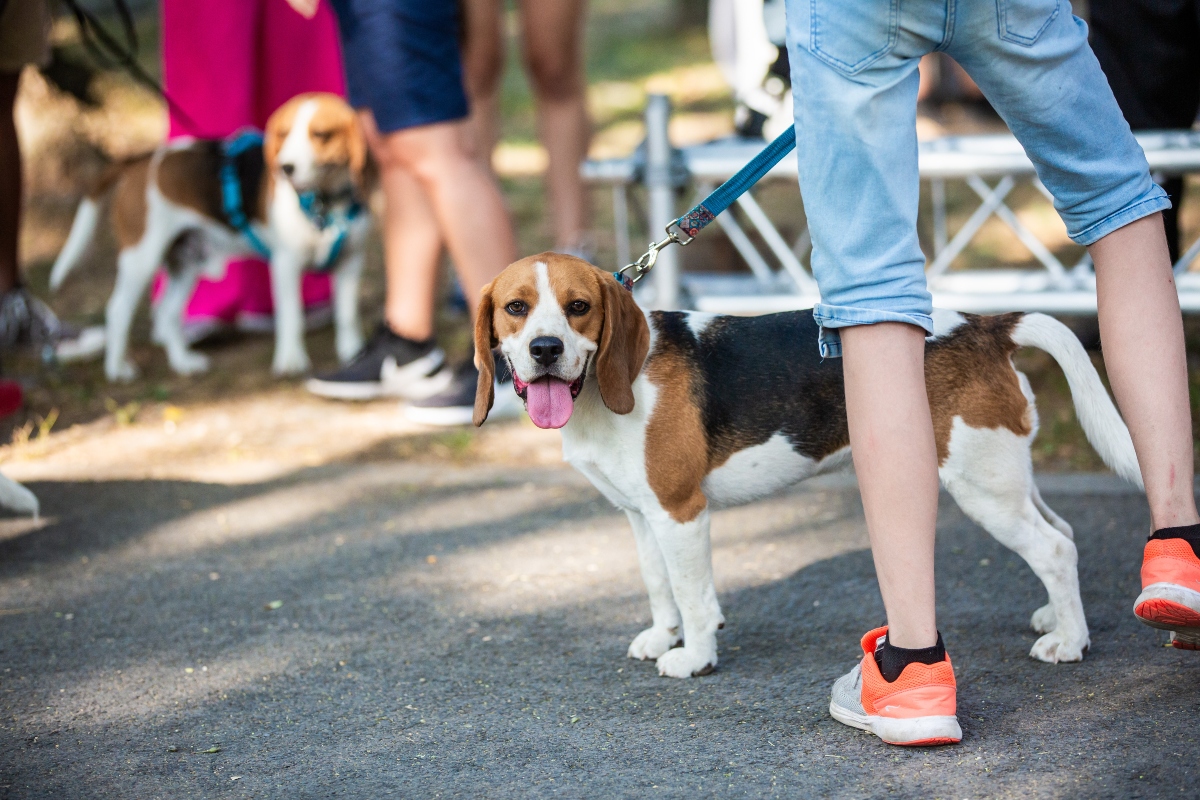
546 349
288 169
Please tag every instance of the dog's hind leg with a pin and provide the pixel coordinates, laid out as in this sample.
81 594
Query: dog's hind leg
345 306
135 269
185 261
989 473
664 632
687 554
1054 519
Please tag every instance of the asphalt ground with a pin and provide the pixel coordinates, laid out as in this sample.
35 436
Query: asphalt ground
416 630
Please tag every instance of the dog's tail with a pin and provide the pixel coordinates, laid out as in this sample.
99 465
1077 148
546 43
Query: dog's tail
87 217
1099 417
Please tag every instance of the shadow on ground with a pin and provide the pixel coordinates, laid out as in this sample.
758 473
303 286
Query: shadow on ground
374 630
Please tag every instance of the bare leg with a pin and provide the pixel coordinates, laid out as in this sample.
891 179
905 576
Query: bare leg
1142 330
552 38
10 183
891 436
412 244
483 68
464 197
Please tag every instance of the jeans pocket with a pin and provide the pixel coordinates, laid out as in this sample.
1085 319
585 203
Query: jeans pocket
1023 21
850 36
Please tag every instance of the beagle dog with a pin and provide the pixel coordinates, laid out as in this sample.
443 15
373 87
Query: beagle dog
670 414
172 208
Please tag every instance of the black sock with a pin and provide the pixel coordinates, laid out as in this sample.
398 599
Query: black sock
1189 533
892 660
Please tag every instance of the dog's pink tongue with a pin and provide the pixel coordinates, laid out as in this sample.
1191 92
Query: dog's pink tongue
549 402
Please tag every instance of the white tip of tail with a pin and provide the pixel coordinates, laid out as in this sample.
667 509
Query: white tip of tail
1097 415
16 497
82 230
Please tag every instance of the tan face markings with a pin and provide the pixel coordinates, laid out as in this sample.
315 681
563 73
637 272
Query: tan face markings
969 374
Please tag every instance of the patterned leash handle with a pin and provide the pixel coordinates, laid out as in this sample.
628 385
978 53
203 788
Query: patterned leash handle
682 230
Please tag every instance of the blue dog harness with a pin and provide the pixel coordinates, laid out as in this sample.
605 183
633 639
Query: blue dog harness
684 229
315 205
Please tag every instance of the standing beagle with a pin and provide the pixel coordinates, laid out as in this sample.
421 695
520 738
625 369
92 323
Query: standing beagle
193 204
673 413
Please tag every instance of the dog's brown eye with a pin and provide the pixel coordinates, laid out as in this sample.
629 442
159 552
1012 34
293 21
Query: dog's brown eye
322 136
517 308
578 308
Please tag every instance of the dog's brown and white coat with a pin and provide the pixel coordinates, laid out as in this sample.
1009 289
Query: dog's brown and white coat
167 209
673 413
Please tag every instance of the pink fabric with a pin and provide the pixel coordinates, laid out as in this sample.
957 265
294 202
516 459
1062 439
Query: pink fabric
228 64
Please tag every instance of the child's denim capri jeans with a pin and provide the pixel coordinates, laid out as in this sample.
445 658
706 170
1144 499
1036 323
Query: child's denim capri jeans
854 79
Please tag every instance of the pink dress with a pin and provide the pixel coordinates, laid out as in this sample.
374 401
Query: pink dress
228 64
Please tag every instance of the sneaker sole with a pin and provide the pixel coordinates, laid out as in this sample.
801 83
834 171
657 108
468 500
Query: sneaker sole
415 380
1169 607
506 406
911 732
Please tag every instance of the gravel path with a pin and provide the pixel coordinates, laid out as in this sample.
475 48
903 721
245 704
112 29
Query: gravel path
413 630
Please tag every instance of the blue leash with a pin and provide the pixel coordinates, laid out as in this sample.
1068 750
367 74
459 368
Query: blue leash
682 230
314 205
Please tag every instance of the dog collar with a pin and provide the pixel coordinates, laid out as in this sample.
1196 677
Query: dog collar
324 211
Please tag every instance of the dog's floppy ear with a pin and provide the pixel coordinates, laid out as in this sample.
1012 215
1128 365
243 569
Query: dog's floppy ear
485 340
361 165
624 344
274 134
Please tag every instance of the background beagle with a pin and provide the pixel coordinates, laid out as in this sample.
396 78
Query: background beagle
300 194
672 413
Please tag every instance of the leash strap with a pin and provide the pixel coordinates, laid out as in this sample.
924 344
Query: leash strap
682 230
231 187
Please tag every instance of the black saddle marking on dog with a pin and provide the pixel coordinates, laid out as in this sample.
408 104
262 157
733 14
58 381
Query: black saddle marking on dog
760 376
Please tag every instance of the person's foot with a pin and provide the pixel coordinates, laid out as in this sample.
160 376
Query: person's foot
26 321
1170 598
917 709
455 405
387 366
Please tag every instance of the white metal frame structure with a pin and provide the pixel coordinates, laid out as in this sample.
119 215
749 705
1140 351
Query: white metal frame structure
991 165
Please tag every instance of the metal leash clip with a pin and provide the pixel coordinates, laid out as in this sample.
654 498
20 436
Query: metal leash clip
675 235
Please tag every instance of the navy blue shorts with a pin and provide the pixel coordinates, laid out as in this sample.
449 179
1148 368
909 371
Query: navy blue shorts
403 60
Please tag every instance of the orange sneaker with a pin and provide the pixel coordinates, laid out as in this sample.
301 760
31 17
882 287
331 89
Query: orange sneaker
1170 598
918 709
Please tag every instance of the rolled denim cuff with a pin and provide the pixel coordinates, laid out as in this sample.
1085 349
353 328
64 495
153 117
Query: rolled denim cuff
830 318
1154 200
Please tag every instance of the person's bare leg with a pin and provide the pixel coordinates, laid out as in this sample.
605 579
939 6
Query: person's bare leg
483 68
10 183
412 245
552 45
464 197
891 437
1142 331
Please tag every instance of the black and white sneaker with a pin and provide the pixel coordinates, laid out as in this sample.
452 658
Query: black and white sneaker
455 405
26 321
387 366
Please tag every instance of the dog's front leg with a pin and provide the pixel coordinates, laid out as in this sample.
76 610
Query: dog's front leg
687 553
664 632
345 305
287 269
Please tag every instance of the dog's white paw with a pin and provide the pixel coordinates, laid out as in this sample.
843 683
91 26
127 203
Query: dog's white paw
190 363
123 372
1054 648
285 364
1044 620
684 662
653 642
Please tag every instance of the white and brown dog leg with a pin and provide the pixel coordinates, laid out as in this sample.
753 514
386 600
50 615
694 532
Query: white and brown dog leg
291 356
687 553
345 305
665 631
